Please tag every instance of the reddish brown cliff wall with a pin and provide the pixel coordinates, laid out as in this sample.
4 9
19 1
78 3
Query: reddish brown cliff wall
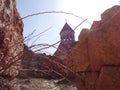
95 60
11 42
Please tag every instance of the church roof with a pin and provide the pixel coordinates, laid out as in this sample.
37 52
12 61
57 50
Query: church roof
66 27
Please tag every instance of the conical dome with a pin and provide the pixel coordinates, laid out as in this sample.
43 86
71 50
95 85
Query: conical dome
66 27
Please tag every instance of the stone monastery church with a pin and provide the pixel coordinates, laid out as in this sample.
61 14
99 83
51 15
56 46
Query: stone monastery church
66 42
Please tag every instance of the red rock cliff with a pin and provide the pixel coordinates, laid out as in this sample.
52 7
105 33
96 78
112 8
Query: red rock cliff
11 40
95 59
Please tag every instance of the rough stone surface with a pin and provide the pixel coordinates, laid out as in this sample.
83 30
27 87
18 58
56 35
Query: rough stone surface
4 84
41 84
11 40
97 48
79 53
109 78
36 65
104 42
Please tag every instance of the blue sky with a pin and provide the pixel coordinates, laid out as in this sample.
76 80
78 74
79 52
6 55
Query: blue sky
87 9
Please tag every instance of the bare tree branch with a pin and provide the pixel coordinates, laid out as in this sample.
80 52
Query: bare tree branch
52 12
79 24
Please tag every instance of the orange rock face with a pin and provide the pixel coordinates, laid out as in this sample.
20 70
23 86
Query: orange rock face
96 48
104 41
79 53
109 79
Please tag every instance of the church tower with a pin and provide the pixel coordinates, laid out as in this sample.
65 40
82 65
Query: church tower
66 42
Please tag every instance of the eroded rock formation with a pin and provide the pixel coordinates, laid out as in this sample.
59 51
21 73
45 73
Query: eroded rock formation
95 59
11 40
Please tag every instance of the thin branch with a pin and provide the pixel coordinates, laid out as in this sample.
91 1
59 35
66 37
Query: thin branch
40 34
48 12
48 46
79 24
30 34
26 39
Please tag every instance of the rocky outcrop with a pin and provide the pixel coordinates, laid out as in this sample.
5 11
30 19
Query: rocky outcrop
79 54
95 59
11 40
104 41
4 84
38 65
109 78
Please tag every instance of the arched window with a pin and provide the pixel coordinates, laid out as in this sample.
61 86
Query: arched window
64 38
70 37
67 37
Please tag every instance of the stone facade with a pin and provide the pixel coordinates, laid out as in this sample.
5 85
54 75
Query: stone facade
66 42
